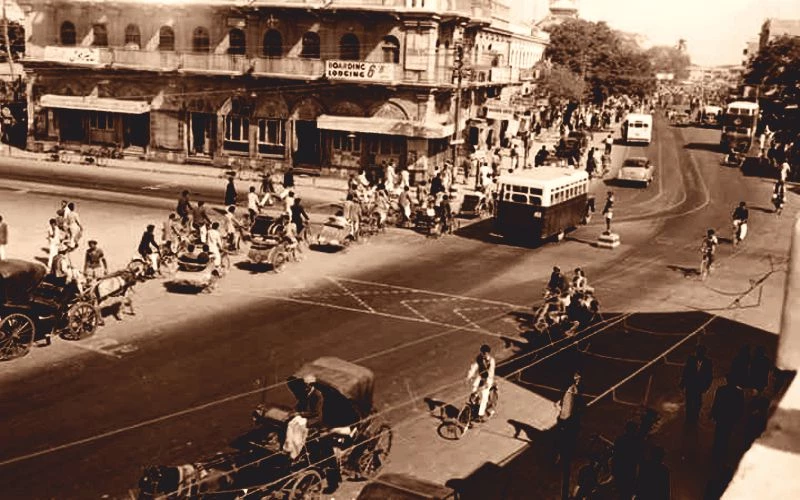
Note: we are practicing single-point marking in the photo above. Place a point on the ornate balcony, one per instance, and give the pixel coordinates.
(294, 66)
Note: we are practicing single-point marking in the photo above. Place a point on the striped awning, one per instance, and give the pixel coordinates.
(384, 126)
(90, 103)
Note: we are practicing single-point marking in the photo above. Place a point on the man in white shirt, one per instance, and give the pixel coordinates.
(252, 203)
(214, 239)
(786, 169)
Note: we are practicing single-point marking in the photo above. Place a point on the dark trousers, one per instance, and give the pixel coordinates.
(722, 438)
(694, 401)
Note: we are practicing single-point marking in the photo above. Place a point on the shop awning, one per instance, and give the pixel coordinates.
(384, 126)
(90, 103)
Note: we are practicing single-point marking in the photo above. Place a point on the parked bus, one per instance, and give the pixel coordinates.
(739, 126)
(542, 203)
(637, 127)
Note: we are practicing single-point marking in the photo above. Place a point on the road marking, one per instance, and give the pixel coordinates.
(350, 293)
(465, 318)
(441, 294)
(99, 349)
(405, 303)
(156, 187)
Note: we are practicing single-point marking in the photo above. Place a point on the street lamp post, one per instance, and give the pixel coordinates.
(458, 66)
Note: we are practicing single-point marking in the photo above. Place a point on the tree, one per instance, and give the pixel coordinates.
(609, 62)
(560, 83)
(670, 60)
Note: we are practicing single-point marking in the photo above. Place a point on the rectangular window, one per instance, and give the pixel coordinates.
(237, 133)
(101, 120)
(271, 136)
(343, 142)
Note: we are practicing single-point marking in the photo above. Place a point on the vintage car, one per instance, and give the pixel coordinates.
(637, 170)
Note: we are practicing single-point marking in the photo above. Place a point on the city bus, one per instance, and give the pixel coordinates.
(535, 205)
(637, 127)
(739, 126)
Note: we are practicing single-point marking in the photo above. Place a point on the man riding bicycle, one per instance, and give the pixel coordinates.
(740, 216)
(481, 375)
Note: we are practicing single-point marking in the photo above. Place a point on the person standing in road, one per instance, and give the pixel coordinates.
(405, 205)
(591, 163)
(608, 211)
(609, 143)
(148, 248)
(541, 157)
(405, 178)
(54, 237)
(288, 203)
(3, 238)
(695, 381)
(726, 411)
(94, 263)
(201, 220)
(252, 204)
(570, 409)
(288, 178)
(215, 244)
(230, 193)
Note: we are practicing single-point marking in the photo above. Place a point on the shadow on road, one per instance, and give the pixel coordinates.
(704, 146)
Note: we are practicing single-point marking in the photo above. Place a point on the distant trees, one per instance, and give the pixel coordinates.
(776, 68)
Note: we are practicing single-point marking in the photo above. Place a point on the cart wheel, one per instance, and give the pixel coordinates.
(278, 261)
(82, 321)
(17, 333)
(376, 449)
(307, 486)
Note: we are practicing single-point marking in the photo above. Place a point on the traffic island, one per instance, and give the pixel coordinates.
(608, 240)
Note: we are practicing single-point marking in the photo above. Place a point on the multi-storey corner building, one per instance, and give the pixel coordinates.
(335, 85)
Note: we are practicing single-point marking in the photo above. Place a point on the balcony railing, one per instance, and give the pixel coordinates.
(289, 66)
(144, 60)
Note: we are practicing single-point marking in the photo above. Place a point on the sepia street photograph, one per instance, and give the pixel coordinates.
(399, 249)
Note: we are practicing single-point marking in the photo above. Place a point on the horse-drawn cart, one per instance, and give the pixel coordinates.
(34, 306)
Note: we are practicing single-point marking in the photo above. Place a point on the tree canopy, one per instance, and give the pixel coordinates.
(609, 62)
(776, 68)
(562, 84)
(670, 60)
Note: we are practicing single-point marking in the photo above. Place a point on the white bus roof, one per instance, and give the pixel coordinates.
(743, 105)
(639, 116)
(544, 177)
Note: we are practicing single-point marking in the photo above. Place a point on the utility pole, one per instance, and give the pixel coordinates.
(7, 121)
(458, 65)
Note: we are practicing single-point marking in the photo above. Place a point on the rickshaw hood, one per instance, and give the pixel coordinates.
(353, 382)
(18, 278)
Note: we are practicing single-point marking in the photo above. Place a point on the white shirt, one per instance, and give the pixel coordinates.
(214, 240)
(252, 201)
(785, 169)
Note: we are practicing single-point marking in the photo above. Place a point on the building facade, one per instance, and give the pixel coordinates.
(333, 85)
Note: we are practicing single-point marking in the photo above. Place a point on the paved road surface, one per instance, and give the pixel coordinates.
(185, 387)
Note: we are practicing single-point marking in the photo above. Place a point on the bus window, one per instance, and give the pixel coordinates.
(519, 189)
(519, 198)
(535, 200)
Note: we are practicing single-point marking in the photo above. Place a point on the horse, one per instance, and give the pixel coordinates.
(112, 290)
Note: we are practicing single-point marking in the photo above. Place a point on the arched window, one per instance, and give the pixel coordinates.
(201, 41)
(273, 44)
(133, 37)
(236, 42)
(166, 39)
(100, 38)
(67, 33)
(391, 50)
(349, 47)
(310, 45)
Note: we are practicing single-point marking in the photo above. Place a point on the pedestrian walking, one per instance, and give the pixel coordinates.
(627, 455)
(253, 204)
(726, 411)
(74, 226)
(54, 237)
(148, 249)
(405, 178)
(760, 369)
(201, 220)
(405, 205)
(288, 203)
(609, 143)
(94, 262)
(215, 244)
(184, 208)
(230, 193)
(3, 238)
(608, 210)
(653, 482)
(695, 381)
(591, 163)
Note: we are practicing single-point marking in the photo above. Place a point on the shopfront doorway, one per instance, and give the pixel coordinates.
(202, 131)
(308, 143)
(136, 131)
(71, 125)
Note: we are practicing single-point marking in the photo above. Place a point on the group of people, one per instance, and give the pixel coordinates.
(572, 300)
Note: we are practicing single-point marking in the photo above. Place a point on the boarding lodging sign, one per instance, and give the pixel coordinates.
(361, 71)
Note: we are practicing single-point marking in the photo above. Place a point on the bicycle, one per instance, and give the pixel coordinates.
(705, 265)
(469, 412)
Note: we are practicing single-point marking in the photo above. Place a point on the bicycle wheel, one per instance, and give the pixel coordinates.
(463, 420)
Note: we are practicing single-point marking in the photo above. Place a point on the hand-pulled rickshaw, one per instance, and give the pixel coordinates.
(34, 306)
(337, 232)
(274, 461)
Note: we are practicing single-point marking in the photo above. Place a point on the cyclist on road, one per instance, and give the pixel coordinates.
(481, 375)
(779, 196)
(740, 216)
(709, 247)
